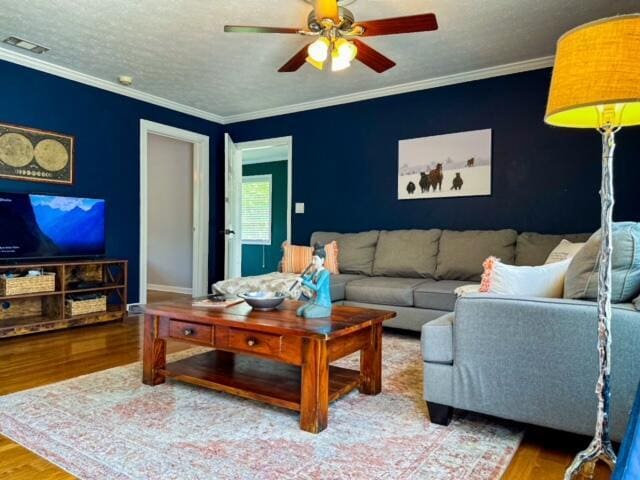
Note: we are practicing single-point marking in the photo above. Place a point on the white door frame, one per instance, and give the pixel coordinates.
(232, 208)
(276, 142)
(200, 143)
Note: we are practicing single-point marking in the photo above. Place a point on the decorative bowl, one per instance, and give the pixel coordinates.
(263, 301)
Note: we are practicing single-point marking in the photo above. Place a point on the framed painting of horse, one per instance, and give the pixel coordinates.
(443, 166)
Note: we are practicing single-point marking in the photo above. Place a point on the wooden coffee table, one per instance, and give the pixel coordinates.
(274, 357)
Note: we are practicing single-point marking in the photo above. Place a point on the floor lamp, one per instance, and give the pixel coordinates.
(596, 84)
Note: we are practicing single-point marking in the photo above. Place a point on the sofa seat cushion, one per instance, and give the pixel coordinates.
(533, 249)
(407, 318)
(339, 283)
(383, 290)
(407, 253)
(355, 250)
(461, 253)
(437, 295)
(437, 340)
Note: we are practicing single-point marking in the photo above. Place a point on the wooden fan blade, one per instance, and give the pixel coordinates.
(296, 61)
(251, 29)
(372, 58)
(390, 26)
(327, 9)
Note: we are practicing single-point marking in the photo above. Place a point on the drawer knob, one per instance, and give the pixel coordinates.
(251, 341)
(187, 332)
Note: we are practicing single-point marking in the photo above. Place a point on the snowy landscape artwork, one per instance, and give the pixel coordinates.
(451, 165)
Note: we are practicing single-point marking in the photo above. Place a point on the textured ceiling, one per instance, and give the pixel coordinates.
(176, 49)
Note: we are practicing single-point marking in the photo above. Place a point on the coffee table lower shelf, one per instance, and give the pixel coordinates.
(268, 381)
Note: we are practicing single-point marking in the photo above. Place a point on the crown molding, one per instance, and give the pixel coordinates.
(480, 74)
(69, 74)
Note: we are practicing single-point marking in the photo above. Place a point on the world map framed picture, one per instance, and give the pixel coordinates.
(35, 155)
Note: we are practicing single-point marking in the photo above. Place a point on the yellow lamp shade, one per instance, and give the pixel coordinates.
(597, 70)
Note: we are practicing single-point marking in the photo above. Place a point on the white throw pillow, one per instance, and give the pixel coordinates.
(467, 289)
(543, 281)
(565, 250)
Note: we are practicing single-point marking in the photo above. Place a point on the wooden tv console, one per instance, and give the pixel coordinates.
(44, 311)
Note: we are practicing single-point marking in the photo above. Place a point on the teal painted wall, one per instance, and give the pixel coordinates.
(252, 255)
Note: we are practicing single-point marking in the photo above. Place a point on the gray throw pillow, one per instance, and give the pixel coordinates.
(581, 281)
(461, 254)
(407, 253)
(533, 248)
(356, 251)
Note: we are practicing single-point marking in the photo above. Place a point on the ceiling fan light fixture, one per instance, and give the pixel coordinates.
(346, 49)
(315, 63)
(339, 62)
(319, 50)
(336, 31)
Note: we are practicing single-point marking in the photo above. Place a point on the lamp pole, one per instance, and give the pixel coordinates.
(600, 447)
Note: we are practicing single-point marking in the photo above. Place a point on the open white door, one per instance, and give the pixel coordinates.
(232, 209)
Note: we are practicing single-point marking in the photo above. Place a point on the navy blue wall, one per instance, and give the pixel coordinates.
(544, 179)
(345, 161)
(107, 131)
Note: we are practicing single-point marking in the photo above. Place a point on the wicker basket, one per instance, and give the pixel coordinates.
(30, 284)
(82, 307)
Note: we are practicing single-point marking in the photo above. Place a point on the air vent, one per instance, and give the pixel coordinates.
(25, 45)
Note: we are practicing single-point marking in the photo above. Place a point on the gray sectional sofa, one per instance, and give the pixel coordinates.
(415, 272)
(531, 360)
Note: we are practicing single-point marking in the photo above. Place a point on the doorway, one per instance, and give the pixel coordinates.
(174, 210)
(258, 205)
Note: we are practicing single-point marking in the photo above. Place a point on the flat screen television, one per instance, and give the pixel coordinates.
(49, 226)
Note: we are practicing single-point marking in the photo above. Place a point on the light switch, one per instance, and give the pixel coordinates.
(299, 207)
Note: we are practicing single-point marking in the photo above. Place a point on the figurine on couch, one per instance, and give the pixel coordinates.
(318, 282)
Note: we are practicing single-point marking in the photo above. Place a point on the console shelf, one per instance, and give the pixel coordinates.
(44, 311)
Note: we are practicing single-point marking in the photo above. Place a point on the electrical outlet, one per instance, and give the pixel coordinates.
(299, 207)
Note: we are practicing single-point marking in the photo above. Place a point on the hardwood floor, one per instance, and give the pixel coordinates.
(41, 359)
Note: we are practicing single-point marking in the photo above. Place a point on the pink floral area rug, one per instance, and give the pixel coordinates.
(108, 425)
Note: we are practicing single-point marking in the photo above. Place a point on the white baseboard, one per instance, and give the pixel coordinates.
(168, 288)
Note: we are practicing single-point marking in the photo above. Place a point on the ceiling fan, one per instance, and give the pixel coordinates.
(338, 36)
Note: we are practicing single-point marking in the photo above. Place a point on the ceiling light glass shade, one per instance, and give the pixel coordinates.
(339, 62)
(346, 49)
(318, 65)
(319, 50)
(597, 74)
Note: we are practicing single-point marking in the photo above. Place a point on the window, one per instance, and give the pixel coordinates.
(256, 210)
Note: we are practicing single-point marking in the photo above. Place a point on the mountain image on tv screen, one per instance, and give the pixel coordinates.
(50, 226)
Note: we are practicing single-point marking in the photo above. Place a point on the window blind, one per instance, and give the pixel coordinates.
(256, 210)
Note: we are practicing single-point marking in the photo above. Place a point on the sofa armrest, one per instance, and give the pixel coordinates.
(437, 340)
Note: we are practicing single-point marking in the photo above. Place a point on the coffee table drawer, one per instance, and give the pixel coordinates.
(192, 332)
(265, 343)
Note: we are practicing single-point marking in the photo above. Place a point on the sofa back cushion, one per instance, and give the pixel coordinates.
(461, 254)
(356, 251)
(581, 281)
(533, 249)
(407, 253)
